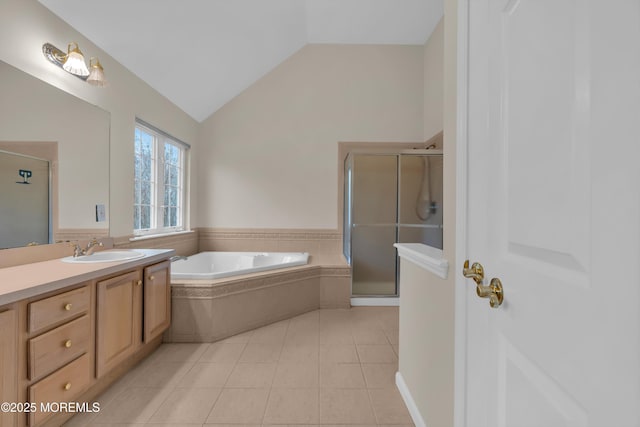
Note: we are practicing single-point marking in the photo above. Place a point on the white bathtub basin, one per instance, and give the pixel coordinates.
(105, 256)
(216, 265)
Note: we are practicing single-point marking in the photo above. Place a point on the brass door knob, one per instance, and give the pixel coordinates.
(139, 282)
(68, 306)
(67, 386)
(476, 272)
(493, 291)
(151, 277)
(67, 343)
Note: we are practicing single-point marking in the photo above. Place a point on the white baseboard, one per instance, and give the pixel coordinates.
(375, 302)
(408, 400)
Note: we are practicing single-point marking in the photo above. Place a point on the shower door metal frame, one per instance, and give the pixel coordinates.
(348, 207)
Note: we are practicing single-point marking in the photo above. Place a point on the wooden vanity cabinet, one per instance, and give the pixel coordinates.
(132, 308)
(70, 344)
(59, 349)
(8, 364)
(118, 319)
(157, 300)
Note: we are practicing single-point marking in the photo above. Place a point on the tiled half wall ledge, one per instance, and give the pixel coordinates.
(210, 311)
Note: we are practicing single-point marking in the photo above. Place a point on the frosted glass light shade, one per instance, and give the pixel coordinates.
(96, 76)
(74, 63)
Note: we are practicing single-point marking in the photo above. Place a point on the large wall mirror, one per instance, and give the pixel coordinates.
(39, 121)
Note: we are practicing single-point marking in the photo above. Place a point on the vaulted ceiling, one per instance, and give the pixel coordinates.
(202, 53)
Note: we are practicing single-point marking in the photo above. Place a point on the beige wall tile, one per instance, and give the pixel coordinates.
(309, 246)
(335, 292)
(191, 317)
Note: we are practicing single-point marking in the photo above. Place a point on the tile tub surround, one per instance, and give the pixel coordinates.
(184, 243)
(208, 311)
(324, 246)
(322, 367)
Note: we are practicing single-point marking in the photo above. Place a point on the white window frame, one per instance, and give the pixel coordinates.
(161, 138)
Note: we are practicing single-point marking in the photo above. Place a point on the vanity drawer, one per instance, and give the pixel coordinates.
(59, 346)
(58, 308)
(64, 385)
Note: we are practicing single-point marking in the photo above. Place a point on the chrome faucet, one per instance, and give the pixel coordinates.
(91, 246)
(177, 258)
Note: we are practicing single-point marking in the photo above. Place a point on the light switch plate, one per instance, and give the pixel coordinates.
(101, 214)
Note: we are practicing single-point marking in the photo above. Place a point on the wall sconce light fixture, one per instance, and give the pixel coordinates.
(73, 63)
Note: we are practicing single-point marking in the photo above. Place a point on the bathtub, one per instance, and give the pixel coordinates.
(215, 265)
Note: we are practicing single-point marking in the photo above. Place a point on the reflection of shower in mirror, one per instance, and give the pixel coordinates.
(425, 206)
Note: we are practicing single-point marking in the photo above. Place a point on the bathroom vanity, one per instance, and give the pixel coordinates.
(68, 330)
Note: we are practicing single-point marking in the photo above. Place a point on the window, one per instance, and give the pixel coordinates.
(159, 197)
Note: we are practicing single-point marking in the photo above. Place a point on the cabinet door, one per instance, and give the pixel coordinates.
(8, 365)
(157, 299)
(118, 320)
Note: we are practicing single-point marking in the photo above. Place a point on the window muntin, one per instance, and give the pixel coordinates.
(159, 176)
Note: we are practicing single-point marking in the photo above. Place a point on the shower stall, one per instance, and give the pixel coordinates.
(389, 198)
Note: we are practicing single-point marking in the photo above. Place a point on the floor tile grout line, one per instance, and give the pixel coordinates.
(226, 379)
(266, 403)
(347, 321)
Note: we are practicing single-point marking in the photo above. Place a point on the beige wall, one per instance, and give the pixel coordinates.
(24, 26)
(268, 157)
(434, 81)
(427, 302)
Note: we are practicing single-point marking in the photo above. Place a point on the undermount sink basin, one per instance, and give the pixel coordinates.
(105, 256)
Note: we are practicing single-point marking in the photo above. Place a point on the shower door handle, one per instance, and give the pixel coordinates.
(493, 291)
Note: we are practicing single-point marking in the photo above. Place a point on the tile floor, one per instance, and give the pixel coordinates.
(323, 367)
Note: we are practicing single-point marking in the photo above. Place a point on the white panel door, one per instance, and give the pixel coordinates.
(554, 212)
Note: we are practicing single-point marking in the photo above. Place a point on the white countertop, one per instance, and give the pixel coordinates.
(427, 257)
(28, 280)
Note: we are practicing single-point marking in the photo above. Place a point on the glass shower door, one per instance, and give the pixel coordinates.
(373, 214)
(420, 200)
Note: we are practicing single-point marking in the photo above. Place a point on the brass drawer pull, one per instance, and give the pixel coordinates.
(152, 278)
(68, 306)
(67, 343)
(67, 386)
